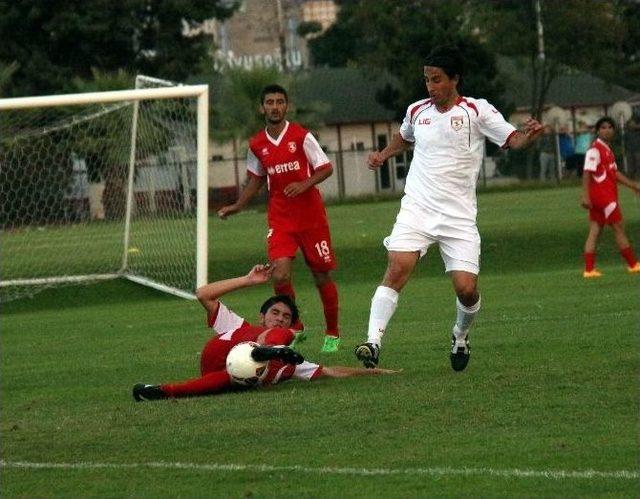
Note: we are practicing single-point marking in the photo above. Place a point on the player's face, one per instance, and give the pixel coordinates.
(274, 108)
(441, 88)
(606, 131)
(278, 315)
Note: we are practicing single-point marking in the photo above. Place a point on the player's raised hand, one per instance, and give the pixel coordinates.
(260, 273)
(375, 160)
(225, 211)
(532, 128)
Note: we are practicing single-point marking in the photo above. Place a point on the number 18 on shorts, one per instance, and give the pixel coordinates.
(314, 243)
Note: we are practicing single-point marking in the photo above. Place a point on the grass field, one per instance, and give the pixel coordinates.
(549, 405)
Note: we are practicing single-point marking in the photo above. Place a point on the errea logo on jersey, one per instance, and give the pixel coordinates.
(284, 167)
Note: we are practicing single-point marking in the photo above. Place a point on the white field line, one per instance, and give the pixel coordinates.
(266, 468)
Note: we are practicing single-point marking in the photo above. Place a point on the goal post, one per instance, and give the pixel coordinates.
(82, 175)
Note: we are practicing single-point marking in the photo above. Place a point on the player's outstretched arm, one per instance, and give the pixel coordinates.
(397, 145)
(348, 372)
(247, 194)
(585, 202)
(626, 181)
(209, 294)
(532, 131)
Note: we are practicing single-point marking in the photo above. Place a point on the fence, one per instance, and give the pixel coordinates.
(351, 178)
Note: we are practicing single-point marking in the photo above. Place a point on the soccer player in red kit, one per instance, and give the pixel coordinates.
(600, 197)
(273, 332)
(290, 161)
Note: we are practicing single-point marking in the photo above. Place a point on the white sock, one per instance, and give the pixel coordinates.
(383, 305)
(464, 318)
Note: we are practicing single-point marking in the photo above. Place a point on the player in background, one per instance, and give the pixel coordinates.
(289, 159)
(447, 133)
(274, 328)
(600, 196)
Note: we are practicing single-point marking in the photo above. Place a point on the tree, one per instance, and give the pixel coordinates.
(55, 41)
(626, 67)
(395, 37)
(585, 34)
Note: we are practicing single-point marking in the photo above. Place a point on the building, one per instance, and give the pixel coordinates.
(584, 96)
(265, 33)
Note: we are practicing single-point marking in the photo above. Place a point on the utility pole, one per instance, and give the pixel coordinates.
(541, 61)
(281, 37)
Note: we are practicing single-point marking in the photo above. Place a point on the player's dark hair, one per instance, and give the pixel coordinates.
(273, 89)
(605, 119)
(281, 299)
(448, 58)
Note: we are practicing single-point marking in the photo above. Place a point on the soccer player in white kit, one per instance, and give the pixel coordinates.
(447, 132)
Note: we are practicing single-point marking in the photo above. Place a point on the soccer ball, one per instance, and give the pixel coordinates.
(241, 366)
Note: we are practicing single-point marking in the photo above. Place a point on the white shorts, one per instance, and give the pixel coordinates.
(417, 228)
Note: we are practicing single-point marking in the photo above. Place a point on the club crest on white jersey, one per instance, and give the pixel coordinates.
(457, 122)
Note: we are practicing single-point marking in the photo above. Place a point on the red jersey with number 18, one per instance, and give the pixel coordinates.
(293, 156)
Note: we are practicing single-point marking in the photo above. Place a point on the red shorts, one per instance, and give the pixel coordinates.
(606, 214)
(214, 354)
(315, 245)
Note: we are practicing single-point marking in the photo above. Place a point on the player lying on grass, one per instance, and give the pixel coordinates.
(277, 314)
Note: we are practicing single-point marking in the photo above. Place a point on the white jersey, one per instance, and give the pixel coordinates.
(448, 153)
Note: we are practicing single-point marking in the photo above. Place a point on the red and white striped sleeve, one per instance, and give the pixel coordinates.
(279, 372)
(491, 122)
(592, 159)
(224, 320)
(315, 155)
(254, 166)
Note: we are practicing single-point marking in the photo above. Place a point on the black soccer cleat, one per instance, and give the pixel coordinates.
(285, 354)
(142, 392)
(368, 354)
(460, 354)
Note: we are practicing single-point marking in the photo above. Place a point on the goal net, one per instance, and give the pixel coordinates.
(104, 185)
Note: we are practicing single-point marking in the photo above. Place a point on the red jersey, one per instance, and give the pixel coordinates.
(292, 157)
(600, 163)
(233, 329)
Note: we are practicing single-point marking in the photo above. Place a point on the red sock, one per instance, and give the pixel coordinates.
(285, 288)
(589, 261)
(329, 296)
(628, 254)
(212, 382)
